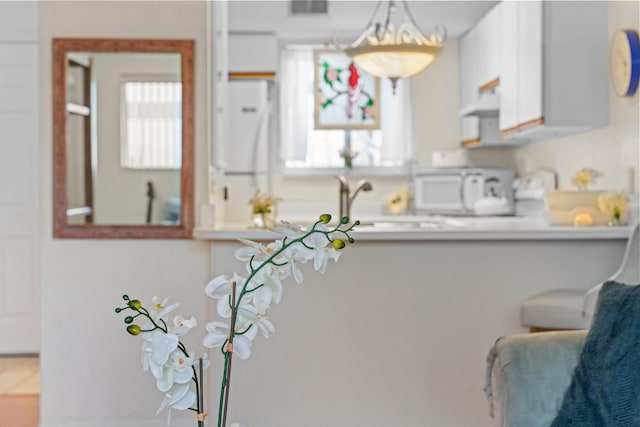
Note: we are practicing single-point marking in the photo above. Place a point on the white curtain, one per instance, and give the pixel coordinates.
(296, 67)
(296, 109)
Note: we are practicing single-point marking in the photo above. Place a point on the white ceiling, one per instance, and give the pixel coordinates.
(348, 17)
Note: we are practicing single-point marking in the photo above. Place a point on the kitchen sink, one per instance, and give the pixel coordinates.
(411, 222)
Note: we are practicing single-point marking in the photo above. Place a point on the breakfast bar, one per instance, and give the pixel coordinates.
(397, 332)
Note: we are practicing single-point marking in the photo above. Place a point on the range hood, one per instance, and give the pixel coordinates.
(486, 104)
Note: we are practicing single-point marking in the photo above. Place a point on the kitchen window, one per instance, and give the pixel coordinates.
(151, 125)
(392, 147)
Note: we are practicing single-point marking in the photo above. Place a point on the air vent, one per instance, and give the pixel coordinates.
(306, 7)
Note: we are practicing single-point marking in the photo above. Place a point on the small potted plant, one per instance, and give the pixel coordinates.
(263, 209)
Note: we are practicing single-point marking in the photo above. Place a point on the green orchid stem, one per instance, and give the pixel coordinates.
(222, 388)
(226, 381)
(234, 304)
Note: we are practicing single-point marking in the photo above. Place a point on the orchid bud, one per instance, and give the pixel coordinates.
(133, 329)
(337, 244)
(135, 304)
(128, 319)
(325, 218)
(344, 220)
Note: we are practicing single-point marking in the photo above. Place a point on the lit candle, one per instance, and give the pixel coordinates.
(583, 220)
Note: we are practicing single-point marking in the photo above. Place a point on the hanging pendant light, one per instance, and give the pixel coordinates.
(389, 50)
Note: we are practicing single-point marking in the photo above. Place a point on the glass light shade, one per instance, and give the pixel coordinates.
(393, 61)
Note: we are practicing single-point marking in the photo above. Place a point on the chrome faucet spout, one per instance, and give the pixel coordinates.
(347, 196)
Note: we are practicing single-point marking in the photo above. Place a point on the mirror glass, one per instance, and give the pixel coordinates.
(123, 131)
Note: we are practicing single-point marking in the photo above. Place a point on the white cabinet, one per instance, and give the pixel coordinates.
(548, 63)
(488, 45)
(469, 128)
(553, 77)
(253, 55)
(509, 82)
(479, 71)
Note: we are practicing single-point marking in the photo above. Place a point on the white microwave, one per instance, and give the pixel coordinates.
(455, 191)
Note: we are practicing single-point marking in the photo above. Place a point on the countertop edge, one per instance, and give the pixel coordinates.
(548, 233)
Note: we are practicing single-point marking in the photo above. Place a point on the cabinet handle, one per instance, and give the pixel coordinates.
(489, 85)
(470, 142)
(524, 125)
(258, 75)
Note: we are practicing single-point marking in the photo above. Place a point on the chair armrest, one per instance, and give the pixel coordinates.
(528, 374)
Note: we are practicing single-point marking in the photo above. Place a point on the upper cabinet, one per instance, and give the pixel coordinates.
(488, 44)
(546, 64)
(253, 55)
(469, 127)
(479, 70)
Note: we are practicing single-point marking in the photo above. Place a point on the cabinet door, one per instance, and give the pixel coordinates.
(19, 228)
(529, 62)
(489, 47)
(249, 53)
(508, 66)
(469, 83)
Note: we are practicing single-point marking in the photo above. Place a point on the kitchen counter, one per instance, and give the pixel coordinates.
(441, 228)
(413, 305)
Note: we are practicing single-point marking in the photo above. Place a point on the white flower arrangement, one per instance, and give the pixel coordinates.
(243, 303)
(616, 205)
(584, 177)
(398, 202)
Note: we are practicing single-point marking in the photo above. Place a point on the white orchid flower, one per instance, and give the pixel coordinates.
(162, 345)
(146, 355)
(180, 398)
(176, 370)
(295, 255)
(321, 249)
(224, 304)
(160, 308)
(256, 315)
(218, 334)
(219, 286)
(183, 325)
(271, 290)
(322, 255)
(254, 250)
(156, 349)
(317, 240)
(289, 230)
(181, 365)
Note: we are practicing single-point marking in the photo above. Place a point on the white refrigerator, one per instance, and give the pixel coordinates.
(246, 149)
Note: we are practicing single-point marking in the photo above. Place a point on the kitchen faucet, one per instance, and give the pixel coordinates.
(346, 197)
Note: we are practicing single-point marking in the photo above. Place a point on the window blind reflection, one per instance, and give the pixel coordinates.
(151, 125)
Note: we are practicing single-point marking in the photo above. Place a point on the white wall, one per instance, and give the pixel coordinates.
(612, 150)
(19, 187)
(91, 372)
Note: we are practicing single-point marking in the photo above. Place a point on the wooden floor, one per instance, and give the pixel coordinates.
(19, 391)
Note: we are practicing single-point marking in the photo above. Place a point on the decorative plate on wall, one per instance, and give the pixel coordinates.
(624, 62)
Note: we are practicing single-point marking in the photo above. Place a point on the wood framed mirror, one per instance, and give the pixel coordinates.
(123, 136)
